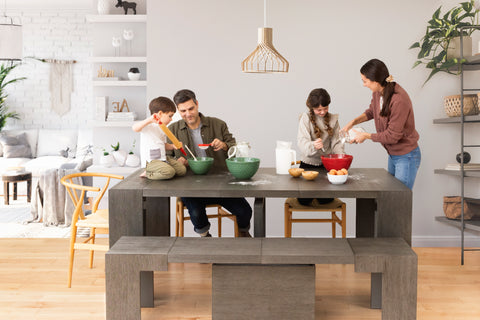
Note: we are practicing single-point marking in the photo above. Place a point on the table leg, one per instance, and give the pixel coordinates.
(125, 213)
(14, 191)
(7, 192)
(29, 190)
(394, 215)
(259, 218)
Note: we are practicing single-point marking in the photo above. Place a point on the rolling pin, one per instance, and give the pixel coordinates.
(171, 136)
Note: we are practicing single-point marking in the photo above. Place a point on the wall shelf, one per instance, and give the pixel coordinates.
(119, 83)
(117, 59)
(117, 18)
(458, 173)
(473, 225)
(112, 124)
(475, 118)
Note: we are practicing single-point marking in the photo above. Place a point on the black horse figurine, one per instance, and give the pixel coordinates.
(127, 5)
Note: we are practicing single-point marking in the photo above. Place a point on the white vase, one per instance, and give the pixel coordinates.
(103, 6)
(132, 161)
(120, 156)
(107, 161)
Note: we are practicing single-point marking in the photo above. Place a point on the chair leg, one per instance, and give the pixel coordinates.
(219, 223)
(334, 227)
(72, 253)
(344, 220)
(177, 210)
(288, 221)
(92, 241)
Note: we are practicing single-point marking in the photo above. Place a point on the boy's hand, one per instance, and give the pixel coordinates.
(155, 118)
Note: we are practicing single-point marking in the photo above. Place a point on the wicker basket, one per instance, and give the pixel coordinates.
(453, 105)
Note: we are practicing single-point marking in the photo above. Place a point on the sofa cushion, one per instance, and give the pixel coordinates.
(55, 142)
(39, 165)
(32, 135)
(15, 146)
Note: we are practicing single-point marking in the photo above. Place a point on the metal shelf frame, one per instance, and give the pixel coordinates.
(473, 64)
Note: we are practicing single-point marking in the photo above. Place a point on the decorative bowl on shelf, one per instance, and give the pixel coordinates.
(201, 165)
(243, 167)
(337, 161)
(295, 172)
(309, 175)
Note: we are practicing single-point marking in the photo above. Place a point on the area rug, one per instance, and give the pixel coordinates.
(13, 222)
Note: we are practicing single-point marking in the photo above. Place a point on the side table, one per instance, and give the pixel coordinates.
(15, 178)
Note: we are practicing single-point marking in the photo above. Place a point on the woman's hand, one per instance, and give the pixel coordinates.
(217, 144)
(360, 137)
(348, 127)
(318, 144)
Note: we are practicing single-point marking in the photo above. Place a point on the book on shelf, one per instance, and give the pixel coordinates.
(466, 166)
(121, 116)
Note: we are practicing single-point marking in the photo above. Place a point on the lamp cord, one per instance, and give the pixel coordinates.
(264, 13)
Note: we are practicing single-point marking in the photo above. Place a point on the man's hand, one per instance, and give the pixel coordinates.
(218, 145)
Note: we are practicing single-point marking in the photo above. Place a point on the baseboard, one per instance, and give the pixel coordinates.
(471, 241)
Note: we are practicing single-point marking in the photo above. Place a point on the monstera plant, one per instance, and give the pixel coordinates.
(435, 46)
(4, 112)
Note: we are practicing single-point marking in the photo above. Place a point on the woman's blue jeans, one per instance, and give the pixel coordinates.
(239, 207)
(405, 167)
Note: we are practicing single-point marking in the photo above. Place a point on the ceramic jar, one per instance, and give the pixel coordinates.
(103, 6)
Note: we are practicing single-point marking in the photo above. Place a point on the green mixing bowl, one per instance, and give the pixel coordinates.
(243, 167)
(201, 165)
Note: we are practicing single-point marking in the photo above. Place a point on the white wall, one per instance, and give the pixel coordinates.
(200, 45)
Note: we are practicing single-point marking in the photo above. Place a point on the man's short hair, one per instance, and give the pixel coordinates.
(184, 96)
(163, 104)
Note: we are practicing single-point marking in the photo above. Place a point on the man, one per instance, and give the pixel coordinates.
(195, 129)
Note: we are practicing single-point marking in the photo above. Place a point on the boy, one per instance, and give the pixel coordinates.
(159, 166)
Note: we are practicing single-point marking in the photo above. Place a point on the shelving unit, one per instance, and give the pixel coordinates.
(473, 64)
(130, 54)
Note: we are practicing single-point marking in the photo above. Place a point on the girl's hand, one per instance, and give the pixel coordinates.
(318, 144)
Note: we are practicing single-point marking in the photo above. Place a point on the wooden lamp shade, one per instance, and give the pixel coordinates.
(265, 58)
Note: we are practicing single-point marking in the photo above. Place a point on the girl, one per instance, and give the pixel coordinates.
(318, 134)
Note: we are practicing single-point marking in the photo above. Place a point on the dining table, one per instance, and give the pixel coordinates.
(141, 207)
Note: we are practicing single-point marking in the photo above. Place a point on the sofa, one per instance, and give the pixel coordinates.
(38, 150)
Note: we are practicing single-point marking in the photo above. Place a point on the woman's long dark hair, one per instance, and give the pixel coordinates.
(376, 70)
(316, 98)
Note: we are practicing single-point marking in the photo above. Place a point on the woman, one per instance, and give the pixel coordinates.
(318, 134)
(392, 112)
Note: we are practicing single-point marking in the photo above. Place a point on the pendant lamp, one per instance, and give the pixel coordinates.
(265, 58)
(11, 44)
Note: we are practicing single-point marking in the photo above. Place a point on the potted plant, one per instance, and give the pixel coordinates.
(107, 159)
(4, 113)
(442, 31)
(132, 159)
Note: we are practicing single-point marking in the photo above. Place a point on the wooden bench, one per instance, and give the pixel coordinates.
(260, 278)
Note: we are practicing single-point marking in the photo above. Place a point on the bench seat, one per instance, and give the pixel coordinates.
(260, 278)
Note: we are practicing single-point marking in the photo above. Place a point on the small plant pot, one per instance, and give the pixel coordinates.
(132, 161)
(107, 161)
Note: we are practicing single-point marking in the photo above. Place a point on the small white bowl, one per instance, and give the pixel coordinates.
(337, 179)
(133, 76)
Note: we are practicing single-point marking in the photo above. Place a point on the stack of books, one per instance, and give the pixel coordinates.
(14, 170)
(466, 166)
(121, 116)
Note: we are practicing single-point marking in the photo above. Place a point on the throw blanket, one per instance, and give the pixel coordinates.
(61, 86)
(51, 202)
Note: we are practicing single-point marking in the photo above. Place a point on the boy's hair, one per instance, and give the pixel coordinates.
(184, 96)
(163, 104)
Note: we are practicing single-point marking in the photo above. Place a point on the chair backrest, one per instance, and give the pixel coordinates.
(76, 190)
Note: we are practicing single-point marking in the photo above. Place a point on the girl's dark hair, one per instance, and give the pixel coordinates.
(163, 104)
(316, 98)
(376, 70)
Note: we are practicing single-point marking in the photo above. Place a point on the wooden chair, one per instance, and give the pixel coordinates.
(97, 221)
(292, 204)
(181, 216)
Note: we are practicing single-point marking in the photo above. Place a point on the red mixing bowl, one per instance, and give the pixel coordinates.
(337, 161)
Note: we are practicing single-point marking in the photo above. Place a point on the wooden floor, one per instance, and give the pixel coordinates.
(33, 276)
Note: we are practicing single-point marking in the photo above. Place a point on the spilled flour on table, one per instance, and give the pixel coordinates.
(251, 183)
